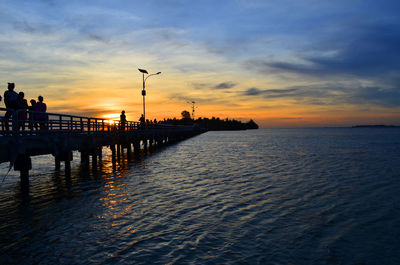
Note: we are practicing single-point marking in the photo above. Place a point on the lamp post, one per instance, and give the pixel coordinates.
(193, 107)
(143, 71)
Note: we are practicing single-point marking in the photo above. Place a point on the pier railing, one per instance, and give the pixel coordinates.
(23, 122)
(28, 133)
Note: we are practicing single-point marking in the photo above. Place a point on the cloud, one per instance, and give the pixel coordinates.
(253, 92)
(98, 38)
(332, 94)
(291, 118)
(367, 51)
(220, 86)
(204, 99)
(273, 92)
(32, 28)
(225, 85)
(376, 96)
(199, 86)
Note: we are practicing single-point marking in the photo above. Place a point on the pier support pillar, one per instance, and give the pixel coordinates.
(100, 153)
(23, 164)
(145, 145)
(136, 147)
(113, 154)
(129, 151)
(94, 159)
(57, 163)
(66, 156)
(67, 167)
(118, 151)
(84, 158)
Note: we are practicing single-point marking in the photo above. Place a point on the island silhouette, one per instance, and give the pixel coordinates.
(213, 124)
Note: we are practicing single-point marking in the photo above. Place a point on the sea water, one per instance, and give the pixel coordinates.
(268, 196)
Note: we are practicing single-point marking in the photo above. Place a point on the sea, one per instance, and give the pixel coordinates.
(267, 196)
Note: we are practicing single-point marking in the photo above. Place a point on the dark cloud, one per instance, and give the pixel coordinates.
(294, 91)
(98, 38)
(225, 85)
(332, 94)
(368, 51)
(24, 26)
(221, 86)
(200, 86)
(205, 99)
(253, 92)
(376, 96)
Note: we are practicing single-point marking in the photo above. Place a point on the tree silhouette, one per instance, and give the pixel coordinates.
(213, 124)
(185, 115)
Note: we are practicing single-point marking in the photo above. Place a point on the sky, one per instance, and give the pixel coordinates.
(282, 63)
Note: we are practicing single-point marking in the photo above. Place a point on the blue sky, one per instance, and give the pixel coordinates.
(284, 63)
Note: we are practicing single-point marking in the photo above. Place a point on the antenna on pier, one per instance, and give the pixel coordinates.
(193, 107)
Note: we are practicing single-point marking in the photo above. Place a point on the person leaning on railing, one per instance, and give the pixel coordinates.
(22, 106)
(32, 119)
(122, 120)
(41, 116)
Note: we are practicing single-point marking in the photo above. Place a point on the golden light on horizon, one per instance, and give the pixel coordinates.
(111, 116)
(110, 122)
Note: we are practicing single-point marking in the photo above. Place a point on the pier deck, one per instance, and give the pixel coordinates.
(61, 134)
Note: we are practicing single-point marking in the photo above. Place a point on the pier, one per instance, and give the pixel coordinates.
(60, 135)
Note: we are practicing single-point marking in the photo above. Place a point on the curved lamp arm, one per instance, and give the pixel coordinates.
(149, 76)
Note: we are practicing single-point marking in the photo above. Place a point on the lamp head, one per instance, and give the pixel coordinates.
(143, 71)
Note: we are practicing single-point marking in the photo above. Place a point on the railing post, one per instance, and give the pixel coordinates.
(81, 122)
(60, 120)
(15, 122)
(88, 125)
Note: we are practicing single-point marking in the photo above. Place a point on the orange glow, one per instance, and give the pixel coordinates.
(168, 95)
(111, 122)
(111, 116)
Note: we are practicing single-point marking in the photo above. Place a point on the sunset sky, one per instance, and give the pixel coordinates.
(283, 63)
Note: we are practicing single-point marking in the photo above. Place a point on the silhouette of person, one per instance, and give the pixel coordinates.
(10, 100)
(142, 121)
(41, 116)
(32, 121)
(122, 120)
(22, 106)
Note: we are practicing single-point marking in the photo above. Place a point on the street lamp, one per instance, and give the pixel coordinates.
(143, 71)
(193, 107)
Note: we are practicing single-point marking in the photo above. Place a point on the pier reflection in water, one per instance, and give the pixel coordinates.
(91, 190)
(316, 196)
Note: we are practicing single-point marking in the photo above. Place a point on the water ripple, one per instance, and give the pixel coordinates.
(306, 196)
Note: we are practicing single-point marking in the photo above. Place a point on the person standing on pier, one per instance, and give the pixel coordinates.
(32, 122)
(122, 120)
(22, 106)
(41, 116)
(142, 121)
(10, 100)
